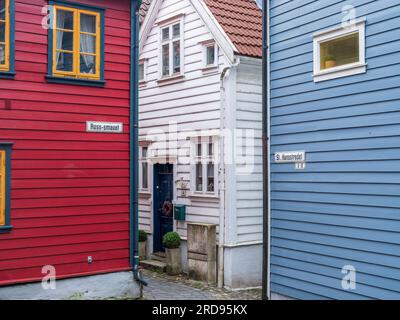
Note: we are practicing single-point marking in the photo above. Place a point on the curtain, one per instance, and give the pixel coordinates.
(88, 44)
(60, 34)
(3, 28)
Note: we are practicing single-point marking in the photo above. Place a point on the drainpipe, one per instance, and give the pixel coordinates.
(266, 152)
(134, 144)
(221, 240)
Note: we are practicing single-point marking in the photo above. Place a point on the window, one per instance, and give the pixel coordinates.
(144, 169)
(142, 70)
(210, 55)
(77, 43)
(171, 50)
(205, 170)
(5, 151)
(339, 52)
(6, 36)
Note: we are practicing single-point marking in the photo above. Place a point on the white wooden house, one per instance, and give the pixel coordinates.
(200, 100)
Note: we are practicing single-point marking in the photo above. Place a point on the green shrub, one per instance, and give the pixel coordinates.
(142, 236)
(172, 240)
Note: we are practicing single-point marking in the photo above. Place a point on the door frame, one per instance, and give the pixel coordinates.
(153, 202)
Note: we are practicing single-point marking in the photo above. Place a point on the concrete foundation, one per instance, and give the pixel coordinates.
(107, 286)
(243, 267)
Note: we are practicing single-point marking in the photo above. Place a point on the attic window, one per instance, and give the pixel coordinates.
(171, 49)
(339, 52)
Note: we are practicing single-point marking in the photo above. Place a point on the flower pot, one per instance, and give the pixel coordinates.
(330, 64)
(142, 250)
(174, 266)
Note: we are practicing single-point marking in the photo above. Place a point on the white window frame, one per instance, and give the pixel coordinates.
(144, 63)
(205, 57)
(141, 161)
(357, 26)
(169, 24)
(204, 159)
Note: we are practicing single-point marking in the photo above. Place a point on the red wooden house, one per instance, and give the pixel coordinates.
(67, 102)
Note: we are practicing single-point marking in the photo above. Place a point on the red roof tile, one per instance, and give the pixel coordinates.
(242, 22)
(144, 8)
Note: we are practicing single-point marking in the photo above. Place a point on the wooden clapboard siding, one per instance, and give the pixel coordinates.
(344, 208)
(249, 206)
(70, 189)
(193, 103)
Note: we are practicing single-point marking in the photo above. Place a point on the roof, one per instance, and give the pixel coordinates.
(242, 22)
(144, 8)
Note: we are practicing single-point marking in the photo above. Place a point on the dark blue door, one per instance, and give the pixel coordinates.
(163, 208)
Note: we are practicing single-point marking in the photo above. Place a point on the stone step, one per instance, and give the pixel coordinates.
(154, 265)
(159, 256)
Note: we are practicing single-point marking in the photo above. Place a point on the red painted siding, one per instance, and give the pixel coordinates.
(70, 189)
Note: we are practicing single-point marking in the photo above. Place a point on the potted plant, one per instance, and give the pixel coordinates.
(172, 242)
(142, 244)
(330, 61)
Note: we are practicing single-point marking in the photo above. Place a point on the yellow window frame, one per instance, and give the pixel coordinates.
(76, 44)
(2, 187)
(6, 66)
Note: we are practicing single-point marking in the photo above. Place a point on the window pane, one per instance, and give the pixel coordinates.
(2, 32)
(88, 43)
(145, 180)
(210, 177)
(176, 30)
(65, 19)
(177, 56)
(338, 52)
(199, 153)
(2, 9)
(64, 61)
(210, 55)
(141, 71)
(165, 34)
(210, 149)
(88, 23)
(88, 64)
(144, 152)
(165, 60)
(199, 177)
(65, 40)
(2, 54)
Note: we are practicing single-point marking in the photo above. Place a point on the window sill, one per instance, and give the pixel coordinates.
(74, 81)
(6, 229)
(210, 69)
(171, 79)
(142, 84)
(340, 72)
(205, 197)
(144, 194)
(7, 75)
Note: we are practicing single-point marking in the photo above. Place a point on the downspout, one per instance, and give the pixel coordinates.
(222, 188)
(134, 144)
(266, 152)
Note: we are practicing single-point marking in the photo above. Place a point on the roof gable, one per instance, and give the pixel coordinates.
(242, 22)
(219, 35)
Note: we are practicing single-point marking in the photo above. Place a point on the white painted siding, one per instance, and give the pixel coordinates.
(249, 202)
(193, 103)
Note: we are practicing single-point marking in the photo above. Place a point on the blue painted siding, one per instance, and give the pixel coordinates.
(344, 209)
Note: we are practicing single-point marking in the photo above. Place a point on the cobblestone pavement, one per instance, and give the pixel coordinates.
(163, 287)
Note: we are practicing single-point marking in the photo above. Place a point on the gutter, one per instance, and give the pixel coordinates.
(266, 152)
(134, 145)
(222, 187)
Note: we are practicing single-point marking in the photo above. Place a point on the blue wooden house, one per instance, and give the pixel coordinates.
(334, 119)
